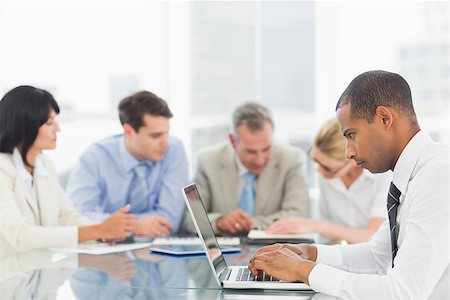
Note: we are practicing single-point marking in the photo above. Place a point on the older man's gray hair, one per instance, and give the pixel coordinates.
(253, 115)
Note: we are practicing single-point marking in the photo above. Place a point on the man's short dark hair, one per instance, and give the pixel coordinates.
(133, 108)
(377, 88)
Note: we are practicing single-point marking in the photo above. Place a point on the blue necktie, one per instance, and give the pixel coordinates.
(248, 195)
(393, 201)
(139, 190)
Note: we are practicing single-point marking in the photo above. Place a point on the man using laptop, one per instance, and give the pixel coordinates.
(249, 182)
(232, 277)
(408, 257)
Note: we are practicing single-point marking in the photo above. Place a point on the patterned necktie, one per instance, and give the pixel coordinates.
(139, 190)
(393, 201)
(248, 195)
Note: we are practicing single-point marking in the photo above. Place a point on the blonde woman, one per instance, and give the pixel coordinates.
(352, 201)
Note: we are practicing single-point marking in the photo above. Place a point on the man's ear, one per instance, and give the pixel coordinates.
(385, 116)
(232, 140)
(127, 129)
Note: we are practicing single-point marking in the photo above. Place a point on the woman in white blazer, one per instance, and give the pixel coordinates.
(34, 211)
(352, 201)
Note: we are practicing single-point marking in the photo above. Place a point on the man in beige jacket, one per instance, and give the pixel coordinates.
(250, 182)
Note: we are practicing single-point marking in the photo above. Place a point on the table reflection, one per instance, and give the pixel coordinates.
(42, 274)
(35, 275)
(128, 275)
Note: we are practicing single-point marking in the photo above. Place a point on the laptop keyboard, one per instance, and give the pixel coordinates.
(245, 275)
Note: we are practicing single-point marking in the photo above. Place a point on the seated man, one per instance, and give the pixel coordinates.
(143, 167)
(408, 257)
(250, 182)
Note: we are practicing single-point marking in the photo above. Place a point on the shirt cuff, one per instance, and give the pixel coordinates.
(213, 221)
(326, 279)
(329, 255)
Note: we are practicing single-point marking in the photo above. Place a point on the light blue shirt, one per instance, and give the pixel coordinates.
(100, 181)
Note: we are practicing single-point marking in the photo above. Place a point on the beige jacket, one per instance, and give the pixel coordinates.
(280, 189)
(19, 218)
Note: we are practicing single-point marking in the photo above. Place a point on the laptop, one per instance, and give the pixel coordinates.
(229, 277)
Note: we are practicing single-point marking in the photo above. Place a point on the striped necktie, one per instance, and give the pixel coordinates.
(139, 190)
(248, 195)
(393, 201)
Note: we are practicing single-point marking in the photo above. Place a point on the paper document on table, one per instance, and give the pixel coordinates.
(262, 237)
(262, 234)
(102, 248)
(175, 241)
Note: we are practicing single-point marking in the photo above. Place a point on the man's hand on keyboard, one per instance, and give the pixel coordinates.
(282, 263)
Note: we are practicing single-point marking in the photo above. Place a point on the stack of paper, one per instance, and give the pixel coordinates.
(260, 236)
(102, 248)
(223, 241)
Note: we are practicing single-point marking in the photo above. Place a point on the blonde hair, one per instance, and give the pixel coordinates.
(330, 141)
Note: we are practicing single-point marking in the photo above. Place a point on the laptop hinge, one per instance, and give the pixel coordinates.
(224, 275)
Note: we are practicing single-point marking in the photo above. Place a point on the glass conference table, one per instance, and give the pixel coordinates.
(136, 274)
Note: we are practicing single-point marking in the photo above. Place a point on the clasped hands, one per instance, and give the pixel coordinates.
(122, 224)
(235, 222)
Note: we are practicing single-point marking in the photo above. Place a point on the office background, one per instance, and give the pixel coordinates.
(205, 58)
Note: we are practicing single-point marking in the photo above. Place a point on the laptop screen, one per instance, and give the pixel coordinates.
(204, 227)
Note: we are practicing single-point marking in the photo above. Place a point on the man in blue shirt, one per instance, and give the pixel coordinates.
(143, 167)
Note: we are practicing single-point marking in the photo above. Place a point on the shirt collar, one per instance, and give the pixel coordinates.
(408, 158)
(39, 168)
(24, 175)
(129, 162)
(20, 166)
(241, 169)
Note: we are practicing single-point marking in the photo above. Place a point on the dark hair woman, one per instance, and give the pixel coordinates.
(34, 211)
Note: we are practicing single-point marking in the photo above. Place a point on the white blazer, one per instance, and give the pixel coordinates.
(20, 228)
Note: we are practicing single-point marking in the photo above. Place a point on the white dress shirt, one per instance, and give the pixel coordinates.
(363, 271)
(354, 206)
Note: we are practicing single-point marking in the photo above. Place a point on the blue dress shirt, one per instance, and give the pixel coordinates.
(100, 181)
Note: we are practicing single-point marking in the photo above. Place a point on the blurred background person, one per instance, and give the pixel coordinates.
(352, 201)
(34, 211)
(249, 182)
(143, 166)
